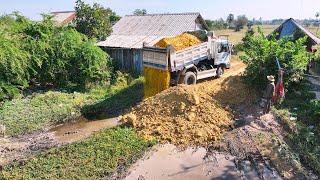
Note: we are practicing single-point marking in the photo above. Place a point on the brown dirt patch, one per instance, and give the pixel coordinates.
(191, 115)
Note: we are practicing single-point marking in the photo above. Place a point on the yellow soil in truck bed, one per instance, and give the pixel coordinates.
(179, 42)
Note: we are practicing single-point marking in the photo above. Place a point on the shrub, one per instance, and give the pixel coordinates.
(261, 53)
(304, 139)
(14, 62)
(60, 56)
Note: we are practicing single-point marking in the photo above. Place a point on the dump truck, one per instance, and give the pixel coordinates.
(187, 66)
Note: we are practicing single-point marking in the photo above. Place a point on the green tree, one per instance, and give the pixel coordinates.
(241, 21)
(94, 21)
(216, 24)
(260, 55)
(230, 19)
(14, 59)
(47, 54)
(140, 12)
(64, 57)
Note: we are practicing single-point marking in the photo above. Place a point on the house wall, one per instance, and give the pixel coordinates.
(127, 59)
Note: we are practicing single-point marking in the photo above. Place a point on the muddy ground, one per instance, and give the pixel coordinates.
(18, 149)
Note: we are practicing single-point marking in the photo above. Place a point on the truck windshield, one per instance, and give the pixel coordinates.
(223, 48)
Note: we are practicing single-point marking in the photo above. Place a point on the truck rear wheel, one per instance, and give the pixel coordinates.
(190, 78)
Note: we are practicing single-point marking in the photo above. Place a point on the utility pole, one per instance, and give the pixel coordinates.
(317, 21)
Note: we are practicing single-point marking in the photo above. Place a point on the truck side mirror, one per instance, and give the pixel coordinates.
(144, 44)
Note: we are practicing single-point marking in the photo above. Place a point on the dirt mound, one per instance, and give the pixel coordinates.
(192, 115)
(233, 91)
(180, 116)
(179, 42)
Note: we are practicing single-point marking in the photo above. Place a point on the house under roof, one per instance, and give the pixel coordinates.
(293, 29)
(125, 43)
(131, 31)
(62, 18)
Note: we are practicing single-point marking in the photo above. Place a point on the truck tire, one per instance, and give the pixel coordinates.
(190, 78)
(220, 71)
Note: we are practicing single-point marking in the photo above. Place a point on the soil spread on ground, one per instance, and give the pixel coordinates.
(191, 115)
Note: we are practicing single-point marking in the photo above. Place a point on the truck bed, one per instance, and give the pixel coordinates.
(169, 59)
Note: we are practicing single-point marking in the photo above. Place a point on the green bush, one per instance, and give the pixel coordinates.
(64, 57)
(305, 139)
(59, 56)
(14, 62)
(260, 55)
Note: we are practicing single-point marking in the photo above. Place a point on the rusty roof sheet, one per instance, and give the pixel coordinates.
(63, 17)
(131, 31)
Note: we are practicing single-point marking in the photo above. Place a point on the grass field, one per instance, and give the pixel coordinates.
(40, 110)
(236, 37)
(95, 158)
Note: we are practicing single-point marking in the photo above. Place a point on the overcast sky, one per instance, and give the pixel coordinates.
(210, 9)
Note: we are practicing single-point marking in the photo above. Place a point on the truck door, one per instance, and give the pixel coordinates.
(223, 52)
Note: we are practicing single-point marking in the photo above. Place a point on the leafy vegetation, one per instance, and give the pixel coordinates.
(260, 54)
(217, 24)
(140, 12)
(40, 110)
(237, 24)
(95, 158)
(49, 55)
(115, 105)
(305, 140)
(94, 21)
(240, 22)
(14, 60)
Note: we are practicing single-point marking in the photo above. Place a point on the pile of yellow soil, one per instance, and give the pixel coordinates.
(180, 42)
(155, 81)
(192, 115)
(180, 116)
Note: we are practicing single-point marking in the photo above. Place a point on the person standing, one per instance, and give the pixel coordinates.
(269, 93)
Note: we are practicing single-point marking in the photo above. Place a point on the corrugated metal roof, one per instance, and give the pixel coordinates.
(63, 17)
(289, 26)
(131, 31)
(135, 42)
(307, 32)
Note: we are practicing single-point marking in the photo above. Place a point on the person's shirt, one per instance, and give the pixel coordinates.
(270, 90)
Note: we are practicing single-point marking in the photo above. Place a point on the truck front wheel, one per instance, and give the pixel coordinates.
(220, 71)
(190, 78)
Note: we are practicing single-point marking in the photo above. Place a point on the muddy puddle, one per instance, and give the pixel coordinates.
(81, 129)
(167, 162)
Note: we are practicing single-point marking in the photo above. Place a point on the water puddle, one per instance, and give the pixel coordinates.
(81, 129)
